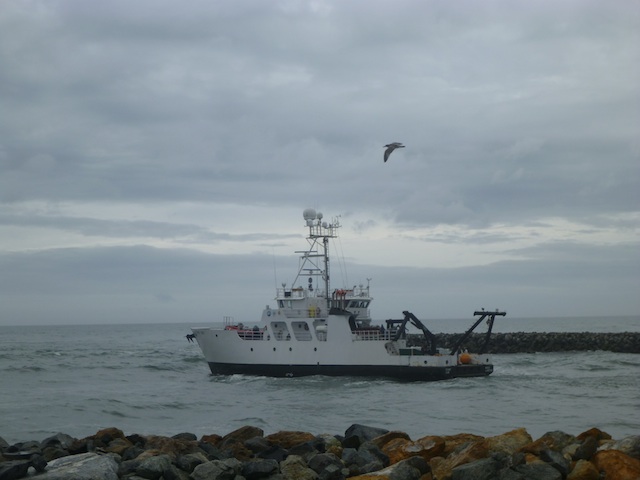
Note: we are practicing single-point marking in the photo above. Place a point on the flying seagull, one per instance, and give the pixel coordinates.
(390, 148)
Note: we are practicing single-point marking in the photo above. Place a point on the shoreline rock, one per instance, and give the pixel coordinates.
(362, 453)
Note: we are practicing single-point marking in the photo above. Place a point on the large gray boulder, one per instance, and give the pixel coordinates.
(357, 434)
(485, 469)
(154, 467)
(328, 467)
(557, 461)
(412, 468)
(14, 469)
(538, 471)
(84, 466)
(61, 440)
(628, 445)
(217, 470)
(295, 468)
(363, 460)
(190, 461)
(262, 468)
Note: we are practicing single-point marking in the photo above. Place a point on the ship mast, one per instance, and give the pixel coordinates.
(318, 231)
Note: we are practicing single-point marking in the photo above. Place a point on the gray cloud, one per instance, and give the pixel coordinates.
(135, 229)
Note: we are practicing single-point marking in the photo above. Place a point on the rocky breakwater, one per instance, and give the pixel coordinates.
(362, 453)
(528, 342)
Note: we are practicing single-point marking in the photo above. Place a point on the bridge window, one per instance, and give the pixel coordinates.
(280, 331)
(301, 331)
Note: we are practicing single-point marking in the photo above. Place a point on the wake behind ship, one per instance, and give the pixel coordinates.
(314, 330)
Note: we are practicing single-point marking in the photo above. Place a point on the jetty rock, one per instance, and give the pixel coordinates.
(362, 453)
(532, 342)
(83, 466)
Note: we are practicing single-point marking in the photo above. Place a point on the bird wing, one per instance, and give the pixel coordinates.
(388, 151)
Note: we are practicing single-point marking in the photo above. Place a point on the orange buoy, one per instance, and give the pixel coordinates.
(465, 359)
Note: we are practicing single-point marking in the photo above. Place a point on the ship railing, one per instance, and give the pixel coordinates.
(310, 312)
(299, 292)
(251, 334)
(358, 292)
(370, 335)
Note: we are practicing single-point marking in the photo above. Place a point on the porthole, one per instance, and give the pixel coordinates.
(289, 348)
(252, 349)
(315, 349)
(274, 349)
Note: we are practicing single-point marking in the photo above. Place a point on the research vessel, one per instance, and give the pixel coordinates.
(315, 329)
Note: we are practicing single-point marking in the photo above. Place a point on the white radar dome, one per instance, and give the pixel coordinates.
(309, 214)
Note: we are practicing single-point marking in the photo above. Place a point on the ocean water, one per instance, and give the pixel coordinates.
(148, 379)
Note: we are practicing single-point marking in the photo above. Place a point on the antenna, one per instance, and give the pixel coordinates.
(275, 275)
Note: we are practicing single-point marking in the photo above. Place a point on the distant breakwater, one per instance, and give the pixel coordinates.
(531, 342)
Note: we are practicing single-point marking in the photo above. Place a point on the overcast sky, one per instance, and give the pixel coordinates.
(156, 156)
